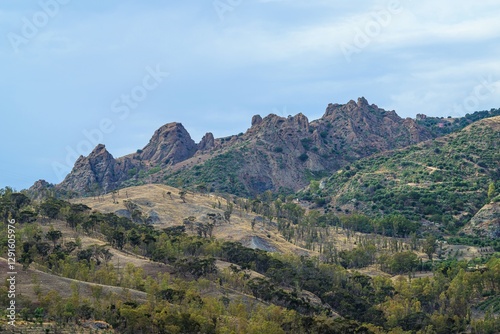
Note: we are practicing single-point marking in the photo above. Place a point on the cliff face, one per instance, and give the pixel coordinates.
(96, 171)
(360, 129)
(275, 152)
(170, 144)
(297, 148)
(207, 142)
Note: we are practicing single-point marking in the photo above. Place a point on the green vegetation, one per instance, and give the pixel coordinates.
(219, 172)
(445, 181)
(440, 126)
(385, 215)
(491, 304)
(191, 294)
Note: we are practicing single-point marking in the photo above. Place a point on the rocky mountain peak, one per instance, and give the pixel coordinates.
(282, 150)
(40, 189)
(362, 102)
(99, 149)
(301, 121)
(359, 112)
(256, 120)
(207, 142)
(170, 144)
(95, 169)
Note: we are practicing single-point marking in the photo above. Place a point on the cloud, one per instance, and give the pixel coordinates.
(264, 55)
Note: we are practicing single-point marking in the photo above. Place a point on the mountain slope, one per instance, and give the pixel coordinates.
(283, 154)
(276, 153)
(445, 180)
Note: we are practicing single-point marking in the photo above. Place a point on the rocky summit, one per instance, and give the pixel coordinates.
(275, 153)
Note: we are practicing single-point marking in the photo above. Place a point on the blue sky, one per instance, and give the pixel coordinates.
(77, 72)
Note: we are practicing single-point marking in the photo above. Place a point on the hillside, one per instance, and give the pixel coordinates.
(133, 260)
(283, 154)
(359, 251)
(440, 126)
(163, 207)
(275, 153)
(444, 181)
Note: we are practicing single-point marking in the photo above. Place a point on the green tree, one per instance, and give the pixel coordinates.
(403, 262)
(430, 246)
(53, 235)
(491, 190)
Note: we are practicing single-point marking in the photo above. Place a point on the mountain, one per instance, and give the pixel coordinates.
(444, 181)
(284, 153)
(170, 144)
(100, 171)
(280, 154)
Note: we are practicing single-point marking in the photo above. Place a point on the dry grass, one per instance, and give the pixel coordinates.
(27, 280)
(172, 211)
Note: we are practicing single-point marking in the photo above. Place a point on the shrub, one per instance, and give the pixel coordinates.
(303, 157)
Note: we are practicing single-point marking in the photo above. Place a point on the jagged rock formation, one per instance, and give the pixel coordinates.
(256, 119)
(360, 129)
(96, 169)
(207, 142)
(170, 144)
(97, 172)
(281, 153)
(275, 153)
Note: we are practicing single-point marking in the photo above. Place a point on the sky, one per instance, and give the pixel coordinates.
(77, 73)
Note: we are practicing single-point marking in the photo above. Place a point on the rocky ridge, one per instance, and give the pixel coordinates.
(274, 153)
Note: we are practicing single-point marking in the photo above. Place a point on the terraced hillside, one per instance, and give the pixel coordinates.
(445, 181)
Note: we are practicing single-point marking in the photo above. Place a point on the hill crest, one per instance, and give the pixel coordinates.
(274, 153)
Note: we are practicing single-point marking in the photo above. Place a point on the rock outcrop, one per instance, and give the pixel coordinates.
(256, 119)
(41, 189)
(360, 129)
(170, 144)
(96, 173)
(207, 142)
(274, 153)
(486, 222)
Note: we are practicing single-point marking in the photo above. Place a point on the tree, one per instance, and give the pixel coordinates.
(403, 262)
(50, 208)
(74, 219)
(314, 186)
(202, 188)
(182, 195)
(134, 238)
(118, 239)
(53, 235)
(227, 216)
(430, 246)
(113, 196)
(491, 190)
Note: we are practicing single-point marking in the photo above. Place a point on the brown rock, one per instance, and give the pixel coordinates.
(170, 144)
(256, 120)
(486, 222)
(207, 142)
(279, 152)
